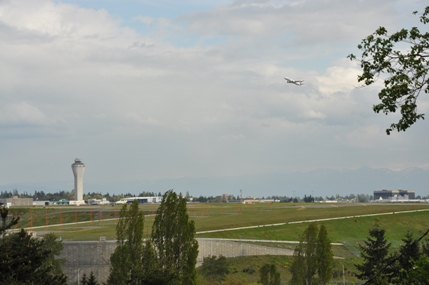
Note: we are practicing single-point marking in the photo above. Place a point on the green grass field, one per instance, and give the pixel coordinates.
(91, 223)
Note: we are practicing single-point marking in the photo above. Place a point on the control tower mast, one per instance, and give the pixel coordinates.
(78, 167)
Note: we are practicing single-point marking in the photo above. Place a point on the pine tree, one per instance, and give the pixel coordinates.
(55, 247)
(325, 256)
(417, 275)
(375, 254)
(84, 280)
(409, 251)
(4, 212)
(92, 280)
(425, 247)
(23, 261)
(173, 239)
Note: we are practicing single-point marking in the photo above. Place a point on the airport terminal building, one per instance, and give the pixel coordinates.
(16, 202)
(392, 194)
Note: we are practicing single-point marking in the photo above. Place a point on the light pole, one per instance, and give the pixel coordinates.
(78, 279)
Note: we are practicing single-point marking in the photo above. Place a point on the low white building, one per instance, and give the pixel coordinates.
(144, 200)
(254, 201)
(102, 201)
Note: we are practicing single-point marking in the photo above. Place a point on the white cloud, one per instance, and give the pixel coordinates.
(144, 121)
(341, 77)
(23, 114)
(145, 19)
(233, 137)
(308, 21)
(311, 114)
(56, 20)
(204, 91)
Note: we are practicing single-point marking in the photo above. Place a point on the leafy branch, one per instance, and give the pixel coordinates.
(407, 71)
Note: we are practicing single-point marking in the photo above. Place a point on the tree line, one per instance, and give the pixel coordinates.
(69, 195)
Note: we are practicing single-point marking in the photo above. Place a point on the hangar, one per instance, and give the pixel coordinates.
(389, 194)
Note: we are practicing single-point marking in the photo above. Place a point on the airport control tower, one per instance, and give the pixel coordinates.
(78, 167)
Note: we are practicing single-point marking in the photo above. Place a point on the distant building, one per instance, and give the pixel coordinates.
(15, 201)
(144, 200)
(390, 194)
(78, 167)
(254, 201)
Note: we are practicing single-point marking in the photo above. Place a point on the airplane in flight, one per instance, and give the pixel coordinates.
(296, 82)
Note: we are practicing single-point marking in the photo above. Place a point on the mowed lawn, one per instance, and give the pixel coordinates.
(90, 223)
(396, 225)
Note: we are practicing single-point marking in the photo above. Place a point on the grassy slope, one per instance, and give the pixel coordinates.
(221, 216)
(354, 228)
(247, 268)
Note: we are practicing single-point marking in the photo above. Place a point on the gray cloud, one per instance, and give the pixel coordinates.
(303, 22)
(134, 104)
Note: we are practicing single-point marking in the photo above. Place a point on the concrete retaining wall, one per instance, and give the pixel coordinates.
(86, 256)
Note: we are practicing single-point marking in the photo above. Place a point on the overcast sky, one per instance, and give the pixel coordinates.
(143, 89)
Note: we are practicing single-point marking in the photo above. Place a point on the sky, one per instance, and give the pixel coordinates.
(142, 89)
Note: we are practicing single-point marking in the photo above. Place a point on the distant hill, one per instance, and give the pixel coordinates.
(319, 182)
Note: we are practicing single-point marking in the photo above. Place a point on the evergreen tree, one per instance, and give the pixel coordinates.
(23, 261)
(5, 225)
(409, 254)
(269, 275)
(418, 274)
(126, 259)
(55, 247)
(325, 256)
(92, 280)
(409, 251)
(84, 280)
(425, 247)
(375, 254)
(173, 239)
